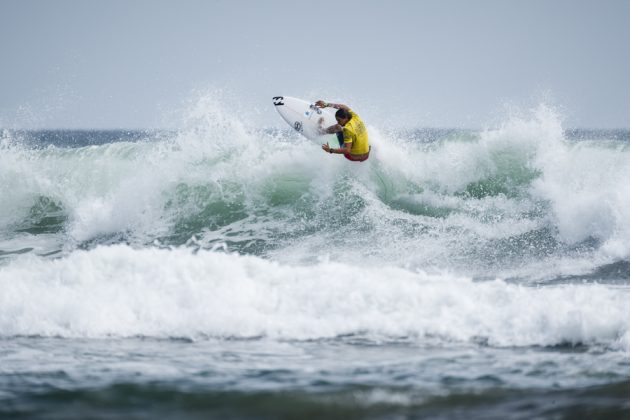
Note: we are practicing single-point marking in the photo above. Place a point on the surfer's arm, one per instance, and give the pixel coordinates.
(340, 151)
(337, 128)
(323, 104)
(333, 129)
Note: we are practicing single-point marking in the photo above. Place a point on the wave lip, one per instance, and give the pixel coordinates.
(123, 292)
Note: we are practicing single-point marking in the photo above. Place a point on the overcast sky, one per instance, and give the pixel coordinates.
(136, 64)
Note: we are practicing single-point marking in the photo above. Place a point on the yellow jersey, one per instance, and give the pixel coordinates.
(354, 132)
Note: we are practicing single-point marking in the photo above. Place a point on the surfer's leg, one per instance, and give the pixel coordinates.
(340, 138)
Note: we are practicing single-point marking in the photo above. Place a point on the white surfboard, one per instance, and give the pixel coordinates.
(305, 118)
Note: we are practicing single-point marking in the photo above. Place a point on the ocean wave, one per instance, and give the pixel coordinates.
(484, 203)
(118, 291)
(346, 401)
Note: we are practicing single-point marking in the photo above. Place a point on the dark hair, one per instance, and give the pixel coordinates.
(343, 113)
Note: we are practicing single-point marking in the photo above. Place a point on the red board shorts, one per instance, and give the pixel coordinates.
(358, 158)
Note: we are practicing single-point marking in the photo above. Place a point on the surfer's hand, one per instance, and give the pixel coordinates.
(320, 104)
(326, 148)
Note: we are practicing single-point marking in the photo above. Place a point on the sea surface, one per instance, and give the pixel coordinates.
(227, 271)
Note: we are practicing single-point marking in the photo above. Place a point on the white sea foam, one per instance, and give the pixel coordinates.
(121, 291)
(587, 187)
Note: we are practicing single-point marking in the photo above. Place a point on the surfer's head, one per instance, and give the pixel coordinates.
(343, 116)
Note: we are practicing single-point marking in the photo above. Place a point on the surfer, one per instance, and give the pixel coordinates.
(350, 131)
